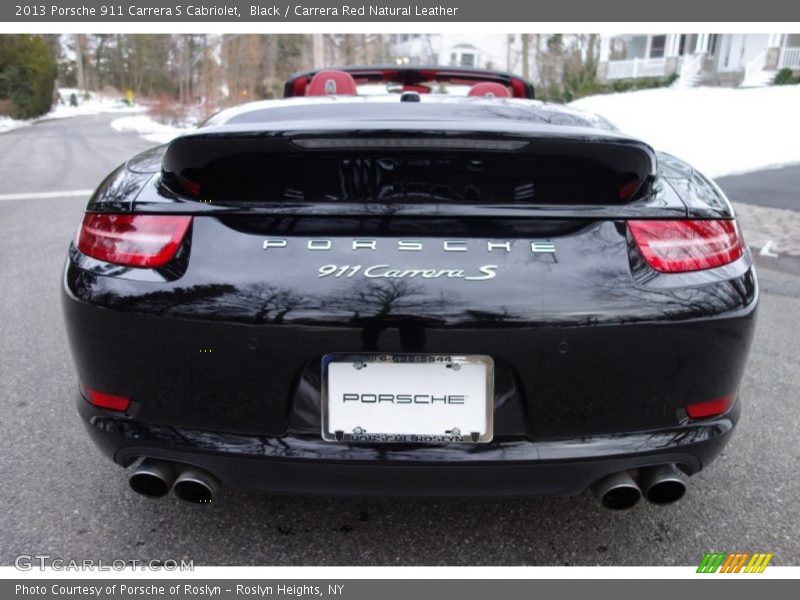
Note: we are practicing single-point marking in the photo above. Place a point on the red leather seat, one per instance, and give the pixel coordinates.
(332, 83)
(489, 90)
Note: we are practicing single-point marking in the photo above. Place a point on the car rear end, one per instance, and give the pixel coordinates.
(436, 304)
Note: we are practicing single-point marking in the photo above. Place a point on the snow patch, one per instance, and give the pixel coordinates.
(721, 131)
(94, 104)
(149, 129)
(7, 123)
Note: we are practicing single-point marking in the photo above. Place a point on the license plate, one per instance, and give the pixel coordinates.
(415, 398)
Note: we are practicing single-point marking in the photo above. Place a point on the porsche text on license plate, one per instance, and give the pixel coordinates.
(407, 398)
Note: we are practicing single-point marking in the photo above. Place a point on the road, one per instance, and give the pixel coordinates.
(59, 496)
(765, 188)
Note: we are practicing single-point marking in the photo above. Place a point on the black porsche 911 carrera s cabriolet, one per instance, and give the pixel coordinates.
(373, 287)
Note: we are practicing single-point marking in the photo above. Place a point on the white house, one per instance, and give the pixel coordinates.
(698, 58)
(707, 58)
(484, 51)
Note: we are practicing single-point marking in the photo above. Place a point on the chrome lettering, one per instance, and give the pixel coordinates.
(319, 244)
(455, 246)
(537, 247)
(504, 245)
(489, 272)
(365, 245)
(409, 245)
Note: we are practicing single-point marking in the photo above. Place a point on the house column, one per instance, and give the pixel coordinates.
(773, 51)
(702, 43)
(605, 48)
(775, 40)
(671, 50)
(673, 44)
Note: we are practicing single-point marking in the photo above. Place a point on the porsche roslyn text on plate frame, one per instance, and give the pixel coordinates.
(417, 398)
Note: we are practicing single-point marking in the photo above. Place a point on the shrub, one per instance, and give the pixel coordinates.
(786, 77)
(575, 87)
(642, 83)
(27, 75)
(168, 111)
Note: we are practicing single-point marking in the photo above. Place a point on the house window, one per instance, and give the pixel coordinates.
(617, 49)
(404, 37)
(627, 47)
(792, 40)
(658, 44)
(467, 59)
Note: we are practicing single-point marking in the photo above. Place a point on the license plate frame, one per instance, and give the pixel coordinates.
(476, 403)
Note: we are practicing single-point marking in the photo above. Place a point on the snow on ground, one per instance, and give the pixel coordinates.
(149, 129)
(718, 130)
(7, 123)
(93, 105)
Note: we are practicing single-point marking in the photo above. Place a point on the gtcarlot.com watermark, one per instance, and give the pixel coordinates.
(30, 562)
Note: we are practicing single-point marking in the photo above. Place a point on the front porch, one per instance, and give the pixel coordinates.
(660, 55)
(790, 52)
(708, 58)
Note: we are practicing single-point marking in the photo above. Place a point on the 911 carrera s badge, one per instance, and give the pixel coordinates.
(388, 272)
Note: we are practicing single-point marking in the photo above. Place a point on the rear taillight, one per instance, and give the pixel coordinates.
(132, 240)
(710, 408)
(680, 246)
(104, 400)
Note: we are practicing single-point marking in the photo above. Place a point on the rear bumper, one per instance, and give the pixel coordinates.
(306, 465)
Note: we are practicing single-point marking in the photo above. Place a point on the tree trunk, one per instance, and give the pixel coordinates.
(81, 79)
(318, 50)
(526, 55)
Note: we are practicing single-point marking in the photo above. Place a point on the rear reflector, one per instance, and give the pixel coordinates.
(132, 240)
(103, 400)
(711, 408)
(680, 246)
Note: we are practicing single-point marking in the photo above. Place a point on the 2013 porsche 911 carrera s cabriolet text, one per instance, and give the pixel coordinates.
(409, 293)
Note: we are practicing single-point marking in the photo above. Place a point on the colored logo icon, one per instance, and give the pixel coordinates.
(737, 562)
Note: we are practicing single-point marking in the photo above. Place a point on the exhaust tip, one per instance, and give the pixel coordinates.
(194, 486)
(152, 478)
(663, 485)
(621, 498)
(618, 491)
(666, 492)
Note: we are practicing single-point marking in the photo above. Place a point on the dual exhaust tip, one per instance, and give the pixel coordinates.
(155, 478)
(659, 485)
